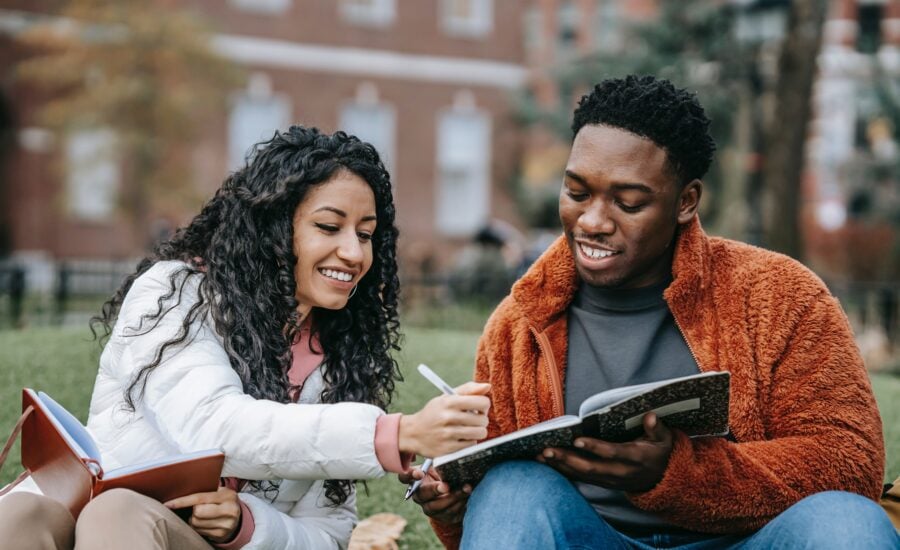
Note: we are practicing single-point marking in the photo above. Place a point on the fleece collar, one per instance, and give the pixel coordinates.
(546, 290)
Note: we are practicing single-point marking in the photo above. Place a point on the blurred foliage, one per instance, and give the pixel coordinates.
(887, 91)
(691, 43)
(147, 74)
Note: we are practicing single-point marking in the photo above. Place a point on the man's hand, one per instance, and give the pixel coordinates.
(216, 516)
(436, 498)
(634, 466)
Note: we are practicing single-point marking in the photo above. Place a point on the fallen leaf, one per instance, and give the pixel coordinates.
(377, 532)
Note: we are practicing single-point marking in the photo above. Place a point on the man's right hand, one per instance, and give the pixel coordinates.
(435, 497)
(447, 423)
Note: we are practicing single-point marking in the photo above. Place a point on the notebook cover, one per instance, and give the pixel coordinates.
(53, 464)
(196, 475)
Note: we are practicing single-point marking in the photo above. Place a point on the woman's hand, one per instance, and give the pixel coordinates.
(216, 516)
(447, 423)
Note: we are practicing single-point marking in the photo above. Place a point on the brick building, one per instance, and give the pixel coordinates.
(427, 82)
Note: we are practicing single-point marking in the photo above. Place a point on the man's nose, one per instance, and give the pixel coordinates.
(596, 219)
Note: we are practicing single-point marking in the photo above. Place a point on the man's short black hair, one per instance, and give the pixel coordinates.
(654, 109)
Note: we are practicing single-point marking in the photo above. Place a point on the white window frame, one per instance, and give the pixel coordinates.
(235, 159)
(609, 34)
(478, 204)
(387, 149)
(266, 7)
(479, 24)
(93, 174)
(567, 15)
(376, 13)
(532, 29)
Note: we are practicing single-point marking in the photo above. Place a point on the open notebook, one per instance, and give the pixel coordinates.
(66, 464)
(696, 404)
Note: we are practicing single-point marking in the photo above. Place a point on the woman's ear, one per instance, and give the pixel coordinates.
(689, 200)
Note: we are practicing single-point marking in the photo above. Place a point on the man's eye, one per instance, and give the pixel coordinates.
(577, 197)
(326, 227)
(631, 209)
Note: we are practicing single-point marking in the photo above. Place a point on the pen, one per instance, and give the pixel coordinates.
(444, 387)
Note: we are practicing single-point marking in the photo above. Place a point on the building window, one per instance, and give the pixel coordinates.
(254, 118)
(467, 17)
(374, 123)
(533, 29)
(268, 7)
(609, 27)
(463, 159)
(869, 37)
(567, 16)
(92, 174)
(376, 13)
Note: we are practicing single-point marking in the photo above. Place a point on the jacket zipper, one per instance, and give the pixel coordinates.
(686, 341)
(730, 435)
(555, 383)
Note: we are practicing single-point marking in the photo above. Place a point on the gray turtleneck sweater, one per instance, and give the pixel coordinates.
(619, 338)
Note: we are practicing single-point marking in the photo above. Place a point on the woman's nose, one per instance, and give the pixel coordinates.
(350, 249)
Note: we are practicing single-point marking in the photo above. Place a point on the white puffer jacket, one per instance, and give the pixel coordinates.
(194, 400)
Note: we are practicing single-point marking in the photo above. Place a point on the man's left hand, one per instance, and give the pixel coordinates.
(634, 466)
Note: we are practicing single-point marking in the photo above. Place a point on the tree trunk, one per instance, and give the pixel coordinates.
(784, 155)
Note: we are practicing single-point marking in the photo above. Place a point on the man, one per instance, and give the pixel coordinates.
(633, 292)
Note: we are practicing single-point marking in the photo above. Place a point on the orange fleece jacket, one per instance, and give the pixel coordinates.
(802, 409)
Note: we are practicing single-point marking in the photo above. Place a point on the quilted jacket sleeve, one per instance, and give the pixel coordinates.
(196, 401)
(312, 523)
(823, 432)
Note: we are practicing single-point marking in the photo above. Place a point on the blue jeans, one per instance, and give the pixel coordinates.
(525, 504)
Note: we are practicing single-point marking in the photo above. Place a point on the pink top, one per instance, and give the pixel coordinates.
(387, 433)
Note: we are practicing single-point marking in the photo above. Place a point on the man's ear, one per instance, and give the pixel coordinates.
(689, 201)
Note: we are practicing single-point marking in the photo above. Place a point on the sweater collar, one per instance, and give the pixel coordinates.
(548, 287)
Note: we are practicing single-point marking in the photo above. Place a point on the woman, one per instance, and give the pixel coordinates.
(283, 289)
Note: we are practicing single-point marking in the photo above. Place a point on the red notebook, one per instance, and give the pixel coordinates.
(62, 458)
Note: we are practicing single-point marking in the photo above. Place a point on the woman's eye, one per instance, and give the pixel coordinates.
(326, 227)
(363, 236)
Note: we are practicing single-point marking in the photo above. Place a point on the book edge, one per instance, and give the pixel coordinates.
(162, 462)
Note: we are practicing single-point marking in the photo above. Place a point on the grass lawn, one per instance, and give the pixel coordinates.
(63, 363)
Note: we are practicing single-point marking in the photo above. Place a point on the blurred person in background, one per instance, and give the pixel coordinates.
(634, 291)
(264, 328)
(481, 273)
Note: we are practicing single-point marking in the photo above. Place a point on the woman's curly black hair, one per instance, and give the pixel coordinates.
(240, 247)
(653, 108)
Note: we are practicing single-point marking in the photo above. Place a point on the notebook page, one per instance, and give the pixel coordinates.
(73, 430)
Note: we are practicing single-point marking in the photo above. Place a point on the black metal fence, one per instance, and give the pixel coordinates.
(12, 294)
(874, 312)
(75, 292)
(454, 301)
